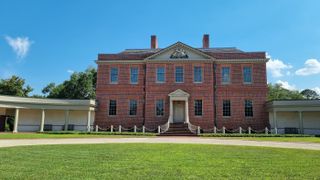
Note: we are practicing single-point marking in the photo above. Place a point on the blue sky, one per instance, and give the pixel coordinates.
(43, 41)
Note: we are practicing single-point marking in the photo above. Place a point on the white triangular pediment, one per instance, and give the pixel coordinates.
(179, 51)
(179, 93)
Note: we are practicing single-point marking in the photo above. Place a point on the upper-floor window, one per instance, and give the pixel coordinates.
(113, 107)
(248, 108)
(179, 74)
(226, 108)
(133, 108)
(114, 75)
(198, 107)
(134, 75)
(225, 75)
(197, 74)
(247, 74)
(160, 107)
(160, 74)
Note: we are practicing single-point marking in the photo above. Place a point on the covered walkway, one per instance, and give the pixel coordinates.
(294, 116)
(36, 114)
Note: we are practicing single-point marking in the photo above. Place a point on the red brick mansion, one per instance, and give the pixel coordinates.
(204, 86)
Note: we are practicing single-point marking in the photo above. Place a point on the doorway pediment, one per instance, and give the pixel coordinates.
(179, 93)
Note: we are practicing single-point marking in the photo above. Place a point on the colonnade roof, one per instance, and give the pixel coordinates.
(46, 103)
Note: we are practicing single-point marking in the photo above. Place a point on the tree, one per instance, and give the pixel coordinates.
(81, 85)
(49, 88)
(276, 92)
(14, 86)
(310, 94)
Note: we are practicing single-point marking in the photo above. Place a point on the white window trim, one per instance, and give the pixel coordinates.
(164, 110)
(243, 75)
(222, 82)
(230, 110)
(175, 80)
(137, 76)
(194, 107)
(248, 117)
(109, 108)
(130, 107)
(202, 73)
(110, 78)
(164, 72)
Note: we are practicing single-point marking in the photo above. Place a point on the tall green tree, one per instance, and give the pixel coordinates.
(310, 94)
(276, 92)
(14, 86)
(81, 85)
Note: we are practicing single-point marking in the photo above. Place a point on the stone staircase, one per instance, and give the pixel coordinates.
(178, 129)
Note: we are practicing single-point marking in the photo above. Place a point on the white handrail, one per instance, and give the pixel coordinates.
(164, 127)
(192, 128)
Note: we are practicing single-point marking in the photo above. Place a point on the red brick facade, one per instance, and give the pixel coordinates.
(211, 91)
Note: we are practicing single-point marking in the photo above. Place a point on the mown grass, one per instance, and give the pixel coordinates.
(72, 134)
(157, 161)
(279, 139)
(267, 137)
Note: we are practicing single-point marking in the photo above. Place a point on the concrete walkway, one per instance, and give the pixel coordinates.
(178, 140)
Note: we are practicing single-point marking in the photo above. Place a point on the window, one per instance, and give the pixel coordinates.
(113, 107)
(114, 75)
(225, 75)
(133, 108)
(198, 107)
(179, 74)
(134, 75)
(247, 75)
(226, 108)
(160, 107)
(248, 109)
(160, 75)
(197, 74)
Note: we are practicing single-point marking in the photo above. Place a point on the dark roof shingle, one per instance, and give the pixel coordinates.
(217, 53)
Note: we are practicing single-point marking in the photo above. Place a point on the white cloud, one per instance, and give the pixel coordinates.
(20, 45)
(70, 71)
(286, 85)
(276, 67)
(316, 89)
(311, 66)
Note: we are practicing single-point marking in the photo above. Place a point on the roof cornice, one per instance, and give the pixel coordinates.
(177, 44)
(218, 61)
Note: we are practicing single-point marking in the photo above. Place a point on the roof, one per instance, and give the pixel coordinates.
(217, 53)
(293, 105)
(45, 103)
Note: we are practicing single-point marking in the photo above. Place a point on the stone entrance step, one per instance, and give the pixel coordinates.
(178, 129)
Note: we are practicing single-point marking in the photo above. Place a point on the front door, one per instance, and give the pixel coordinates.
(178, 111)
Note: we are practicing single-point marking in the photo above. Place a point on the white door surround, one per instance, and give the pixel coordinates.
(179, 95)
(178, 111)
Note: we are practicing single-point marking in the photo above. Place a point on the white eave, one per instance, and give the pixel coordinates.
(46, 103)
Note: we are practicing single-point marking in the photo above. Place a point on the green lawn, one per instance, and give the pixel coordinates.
(280, 139)
(71, 135)
(157, 161)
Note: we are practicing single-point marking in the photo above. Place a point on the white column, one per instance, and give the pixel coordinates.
(275, 119)
(66, 119)
(301, 123)
(42, 120)
(187, 111)
(171, 111)
(16, 121)
(88, 121)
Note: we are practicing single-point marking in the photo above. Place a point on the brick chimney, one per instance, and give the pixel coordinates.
(205, 41)
(154, 42)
